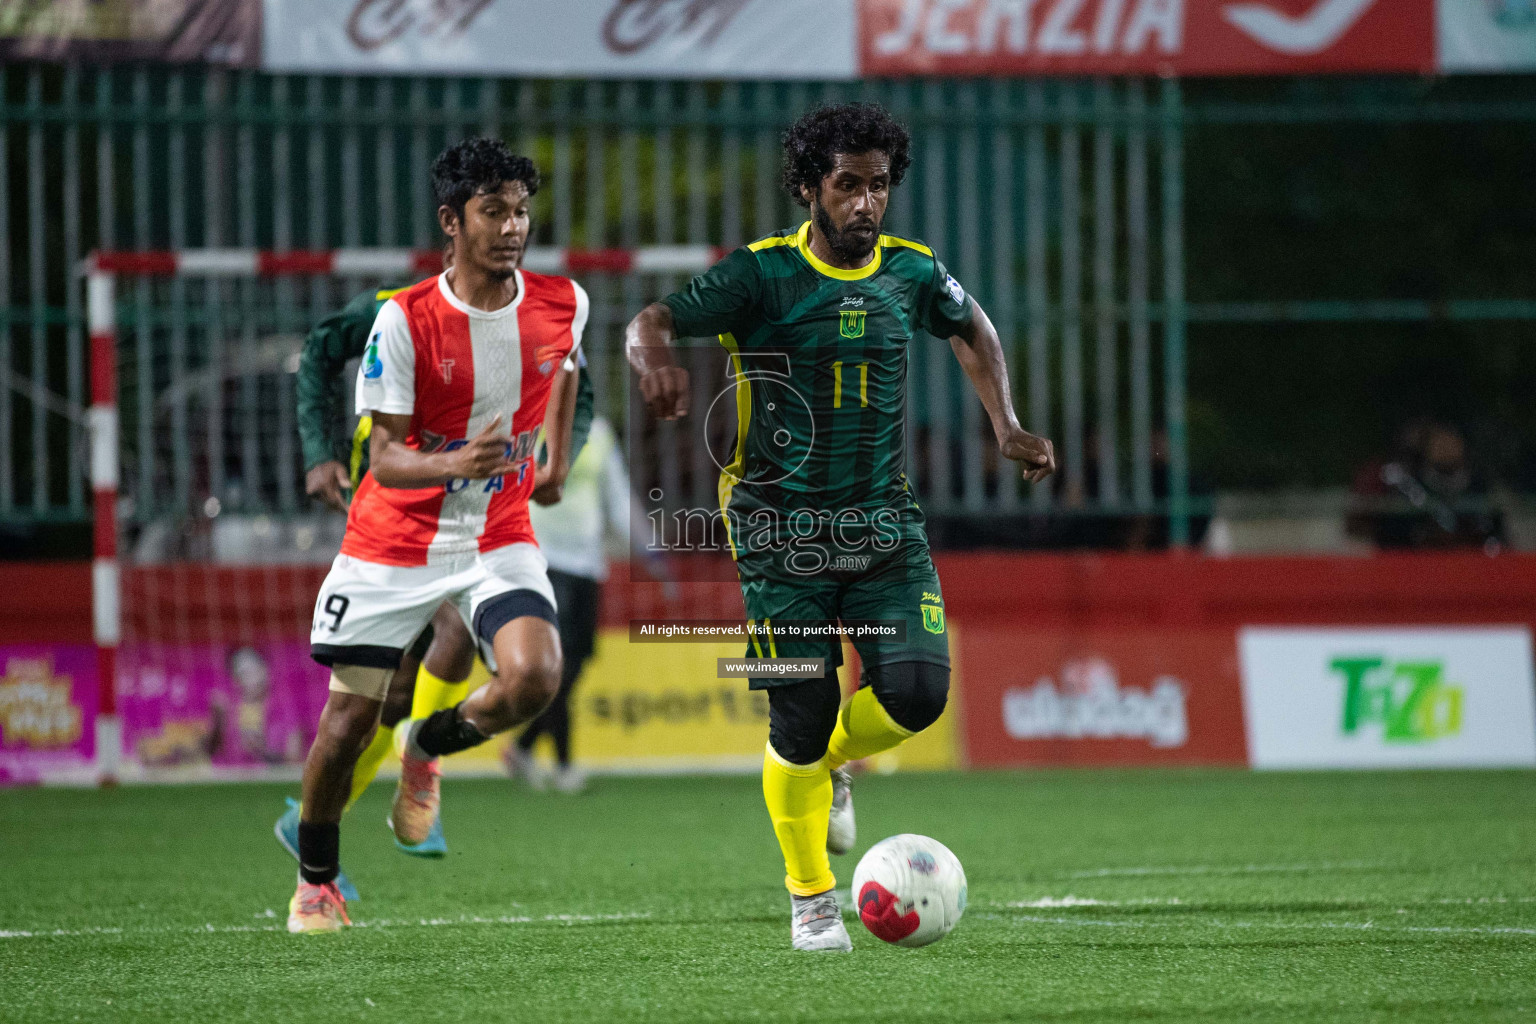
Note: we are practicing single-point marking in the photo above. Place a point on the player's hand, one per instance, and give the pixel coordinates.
(665, 390)
(485, 455)
(329, 482)
(1036, 453)
(548, 487)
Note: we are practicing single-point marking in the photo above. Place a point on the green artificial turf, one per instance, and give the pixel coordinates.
(1156, 896)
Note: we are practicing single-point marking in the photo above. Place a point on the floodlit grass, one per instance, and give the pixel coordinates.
(1156, 896)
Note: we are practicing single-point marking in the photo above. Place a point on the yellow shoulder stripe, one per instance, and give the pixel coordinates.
(770, 242)
(384, 293)
(904, 243)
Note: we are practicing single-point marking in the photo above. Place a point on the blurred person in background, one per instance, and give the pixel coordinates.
(1428, 495)
(595, 507)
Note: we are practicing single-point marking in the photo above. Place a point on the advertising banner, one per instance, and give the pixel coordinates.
(1487, 35)
(776, 39)
(48, 699)
(216, 31)
(1389, 698)
(661, 707)
(1158, 37)
(219, 710)
(1111, 697)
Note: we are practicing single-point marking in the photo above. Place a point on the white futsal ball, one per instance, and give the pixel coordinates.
(910, 890)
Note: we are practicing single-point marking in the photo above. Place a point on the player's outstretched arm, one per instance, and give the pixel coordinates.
(549, 480)
(393, 464)
(980, 352)
(648, 345)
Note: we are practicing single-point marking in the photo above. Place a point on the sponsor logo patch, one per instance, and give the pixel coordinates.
(373, 366)
(953, 287)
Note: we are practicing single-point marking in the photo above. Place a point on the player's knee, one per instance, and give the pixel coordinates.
(913, 693)
(348, 724)
(528, 682)
(801, 717)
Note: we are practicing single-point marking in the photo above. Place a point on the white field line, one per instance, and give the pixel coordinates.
(1057, 902)
(1229, 869)
(1364, 926)
(424, 922)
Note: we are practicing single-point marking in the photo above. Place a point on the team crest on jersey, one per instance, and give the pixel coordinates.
(955, 291)
(546, 356)
(373, 366)
(851, 323)
(933, 618)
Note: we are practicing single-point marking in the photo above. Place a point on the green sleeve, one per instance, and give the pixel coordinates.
(945, 307)
(719, 299)
(321, 391)
(581, 420)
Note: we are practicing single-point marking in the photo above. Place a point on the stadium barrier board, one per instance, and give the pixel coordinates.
(1087, 659)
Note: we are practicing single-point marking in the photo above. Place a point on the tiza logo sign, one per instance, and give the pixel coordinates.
(1410, 701)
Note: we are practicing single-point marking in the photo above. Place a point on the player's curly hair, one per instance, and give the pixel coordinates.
(468, 168)
(811, 142)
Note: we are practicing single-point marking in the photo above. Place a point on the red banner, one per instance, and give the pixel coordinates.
(1106, 697)
(1161, 37)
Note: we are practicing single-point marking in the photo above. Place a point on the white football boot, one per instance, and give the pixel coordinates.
(841, 833)
(816, 923)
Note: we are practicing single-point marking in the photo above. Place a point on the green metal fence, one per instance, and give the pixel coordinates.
(1059, 204)
(1056, 203)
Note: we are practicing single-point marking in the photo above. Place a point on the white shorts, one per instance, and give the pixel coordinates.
(368, 614)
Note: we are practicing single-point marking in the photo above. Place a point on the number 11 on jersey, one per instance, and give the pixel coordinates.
(837, 384)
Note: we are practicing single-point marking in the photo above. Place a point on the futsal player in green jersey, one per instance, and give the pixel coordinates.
(816, 507)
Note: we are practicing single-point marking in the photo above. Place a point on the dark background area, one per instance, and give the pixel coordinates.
(1415, 191)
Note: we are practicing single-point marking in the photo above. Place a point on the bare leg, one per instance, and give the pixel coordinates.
(346, 725)
(527, 678)
(402, 688)
(451, 655)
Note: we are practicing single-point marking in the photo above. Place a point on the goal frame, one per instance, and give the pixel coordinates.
(101, 271)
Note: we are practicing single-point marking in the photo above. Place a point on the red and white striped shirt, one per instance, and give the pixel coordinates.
(453, 368)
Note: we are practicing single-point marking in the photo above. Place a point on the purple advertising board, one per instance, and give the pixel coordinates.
(187, 710)
(48, 698)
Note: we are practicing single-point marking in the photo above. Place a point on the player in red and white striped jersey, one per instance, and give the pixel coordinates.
(460, 373)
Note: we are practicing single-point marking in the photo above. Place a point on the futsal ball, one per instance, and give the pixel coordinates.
(910, 890)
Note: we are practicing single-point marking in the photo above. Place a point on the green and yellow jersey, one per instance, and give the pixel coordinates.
(322, 393)
(820, 362)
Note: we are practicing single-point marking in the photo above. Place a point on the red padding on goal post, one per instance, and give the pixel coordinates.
(153, 262)
(104, 526)
(599, 261)
(276, 264)
(106, 674)
(427, 261)
(103, 368)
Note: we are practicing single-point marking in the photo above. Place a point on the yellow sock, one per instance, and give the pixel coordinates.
(434, 694)
(864, 729)
(369, 763)
(799, 798)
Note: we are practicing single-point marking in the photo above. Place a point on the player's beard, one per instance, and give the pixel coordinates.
(846, 246)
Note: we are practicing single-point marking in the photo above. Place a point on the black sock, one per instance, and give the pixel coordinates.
(319, 852)
(444, 732)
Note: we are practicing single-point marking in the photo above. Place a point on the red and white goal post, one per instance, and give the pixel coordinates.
(102, 271)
